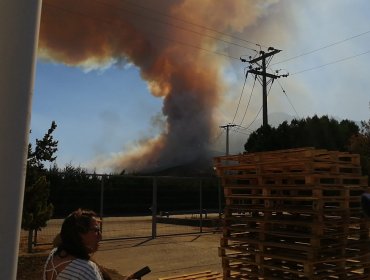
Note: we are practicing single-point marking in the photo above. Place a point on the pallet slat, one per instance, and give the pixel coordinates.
(203, 275)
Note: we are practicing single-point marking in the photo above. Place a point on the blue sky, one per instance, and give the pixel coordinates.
(107, 110)
(97, 112)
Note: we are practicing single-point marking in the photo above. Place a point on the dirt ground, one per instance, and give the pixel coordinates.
(166, 256)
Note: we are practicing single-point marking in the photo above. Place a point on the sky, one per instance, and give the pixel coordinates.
(145, 85)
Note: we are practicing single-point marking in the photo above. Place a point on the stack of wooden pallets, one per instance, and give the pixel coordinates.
(294, 214)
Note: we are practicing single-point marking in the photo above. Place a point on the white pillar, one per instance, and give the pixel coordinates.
(19, 25)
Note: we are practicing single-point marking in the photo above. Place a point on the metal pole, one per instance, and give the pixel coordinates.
(102, 202)
(264, 92)
(154, 208)
(201, 206)
(227, 140)
(19, 35)
(219, 199)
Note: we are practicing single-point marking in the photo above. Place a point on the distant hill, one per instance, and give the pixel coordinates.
(203, 167)
(197, 168)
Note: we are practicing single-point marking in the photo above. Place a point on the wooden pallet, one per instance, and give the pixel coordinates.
(294, 214)
(203, 275)
(320, 155)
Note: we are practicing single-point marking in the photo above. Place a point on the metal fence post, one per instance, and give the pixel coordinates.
(154, 208)
(102, 202)
(219, 198)
(200, 206)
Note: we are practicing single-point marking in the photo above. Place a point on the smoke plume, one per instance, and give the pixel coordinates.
(173, 57)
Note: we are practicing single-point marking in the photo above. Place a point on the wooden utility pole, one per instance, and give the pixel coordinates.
(258, 67)
(227, 135)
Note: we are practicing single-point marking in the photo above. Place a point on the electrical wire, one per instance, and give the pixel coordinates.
(323, 47)
(215, 139)
(240, 129)
(259, 111)
(330, 63)
(197, 25)
(100, 20)
(250, 97)
(241, 95)
(218, 53)
(291, 104)
(173, 25)
(235, 130)
(244, 128)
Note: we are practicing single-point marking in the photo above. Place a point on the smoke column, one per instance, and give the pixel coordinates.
(94, 33)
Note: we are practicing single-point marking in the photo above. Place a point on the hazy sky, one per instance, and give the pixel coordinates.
(132, 84)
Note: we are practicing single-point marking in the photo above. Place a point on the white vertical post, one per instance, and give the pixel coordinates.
(18, 43)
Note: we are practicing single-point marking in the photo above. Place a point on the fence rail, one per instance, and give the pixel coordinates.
(137, 206)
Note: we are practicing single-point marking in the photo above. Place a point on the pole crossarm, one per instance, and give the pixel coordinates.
(261, 70)
(272, 76)
(264, 55)
(227, 126)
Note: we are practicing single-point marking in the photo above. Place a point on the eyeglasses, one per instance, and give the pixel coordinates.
(95, 229)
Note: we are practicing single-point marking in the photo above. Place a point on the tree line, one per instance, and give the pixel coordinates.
(318, 132)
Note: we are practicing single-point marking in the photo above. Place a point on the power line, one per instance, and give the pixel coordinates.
(259, 111)
(240, 98)
(330, 63)
(323, 47)
(198, 25)
(215, 139)
(291, 104)
(249, 101)
(109, 22)
(240, 129)
(100, 19)
(175, 26)
(243, 128)
(235, 130)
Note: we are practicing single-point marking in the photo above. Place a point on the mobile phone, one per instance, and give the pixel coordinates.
(140, 273)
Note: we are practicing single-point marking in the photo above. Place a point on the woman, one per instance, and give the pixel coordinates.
(79, 238)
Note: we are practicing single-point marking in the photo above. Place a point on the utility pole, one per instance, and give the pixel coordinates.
(260, 70)
(227, 135)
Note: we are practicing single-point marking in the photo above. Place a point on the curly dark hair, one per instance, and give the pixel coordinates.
(76, 223)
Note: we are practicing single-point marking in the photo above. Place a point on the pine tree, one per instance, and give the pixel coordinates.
(36, 208)
(360, 143)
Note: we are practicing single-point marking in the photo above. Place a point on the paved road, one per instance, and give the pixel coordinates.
(166, 256)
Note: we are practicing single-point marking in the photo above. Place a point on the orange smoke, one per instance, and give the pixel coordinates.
(92, 33)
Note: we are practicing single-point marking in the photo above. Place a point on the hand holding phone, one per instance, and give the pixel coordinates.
(140, 273)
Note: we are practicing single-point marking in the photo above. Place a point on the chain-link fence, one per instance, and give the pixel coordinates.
(137, 206)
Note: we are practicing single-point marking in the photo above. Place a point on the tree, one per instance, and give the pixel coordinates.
(36, 208)
(321, 133)
(360, 144)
